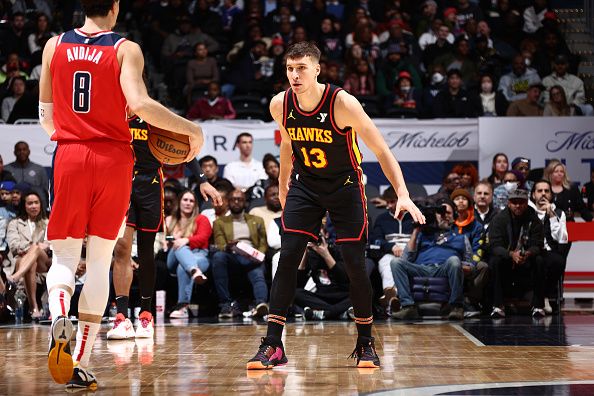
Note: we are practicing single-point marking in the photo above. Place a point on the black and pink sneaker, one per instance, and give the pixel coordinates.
(269, 355)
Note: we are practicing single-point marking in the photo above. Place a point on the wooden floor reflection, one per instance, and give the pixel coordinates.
(210, 359)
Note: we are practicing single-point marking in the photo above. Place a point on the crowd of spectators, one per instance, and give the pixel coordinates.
(212, 59)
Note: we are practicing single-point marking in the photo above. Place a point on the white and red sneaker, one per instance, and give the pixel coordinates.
(145, 327)
(122, 329)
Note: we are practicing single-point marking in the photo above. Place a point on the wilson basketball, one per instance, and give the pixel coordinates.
(168, 147)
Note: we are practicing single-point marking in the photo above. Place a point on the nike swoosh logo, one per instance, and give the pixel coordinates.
(202, 175)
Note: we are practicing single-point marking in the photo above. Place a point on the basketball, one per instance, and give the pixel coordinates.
(168, 147)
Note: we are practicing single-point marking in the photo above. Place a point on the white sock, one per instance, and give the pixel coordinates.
(85, 338)
(59, 302)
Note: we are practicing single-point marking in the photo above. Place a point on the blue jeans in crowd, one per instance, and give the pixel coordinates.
(223, 262)
(403, 271)
(182, 261)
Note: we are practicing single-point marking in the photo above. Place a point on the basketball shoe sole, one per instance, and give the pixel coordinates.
(59, 358)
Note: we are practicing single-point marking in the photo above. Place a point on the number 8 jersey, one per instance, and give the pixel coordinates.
(320, 148)
(88, 100)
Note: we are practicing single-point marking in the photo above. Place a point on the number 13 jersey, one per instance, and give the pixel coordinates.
(88, 100)
(320, 148)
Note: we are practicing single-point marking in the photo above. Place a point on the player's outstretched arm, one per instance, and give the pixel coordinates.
(139, 102)
(286, 165)
(349, 112)
(46, 101)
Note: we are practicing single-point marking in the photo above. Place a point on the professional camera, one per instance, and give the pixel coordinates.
(430, 212)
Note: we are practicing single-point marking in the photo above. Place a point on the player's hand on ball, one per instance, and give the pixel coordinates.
(195, 146)
(407, 205)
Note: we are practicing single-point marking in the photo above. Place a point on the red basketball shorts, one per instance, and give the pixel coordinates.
(90, 189)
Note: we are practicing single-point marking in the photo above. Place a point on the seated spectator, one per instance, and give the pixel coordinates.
(4, 174)
(360, 82)
(483, 204)
(528, 107)
(210, 167)
(26, 240)
(272, 209)
(396, 61)
(441, 47)
(330, 42)
(5, 218)
(11, 69)
(41, 33)
(451, 182)
(434, 250)
(397, 33)
(6, 197)
(200, 71)
(522, 165)
(428, 13)
(218, 210)
(17, 90)
(534, 15)
(323, 291)
(501, 193)
(588, 191)
(499, 167)
(515, 84)
(14, 36)
(188, 233)
(246, 75)
(476, 271)
(228, 232)
(516, 238)
(468, 175)
(405, 100)
(461, 60)
(213, 106)
(553, 46)
(390, 234)
(272, 169)
(572, 85)
(455, 101)
(557, 105)
(437, 83)
(465, 11)
(29, 172)
(493, 102)
(430, 36)
(566, 195)
(555, 235)
(247, 171)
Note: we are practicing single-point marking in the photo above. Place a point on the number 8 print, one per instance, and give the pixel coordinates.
(81, 92)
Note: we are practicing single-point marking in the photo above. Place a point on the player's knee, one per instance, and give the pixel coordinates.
(122, 250)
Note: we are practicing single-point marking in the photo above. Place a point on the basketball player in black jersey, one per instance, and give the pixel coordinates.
(145, 215)
(319, 126)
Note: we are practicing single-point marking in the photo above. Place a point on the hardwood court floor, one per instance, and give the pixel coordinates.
(210, 358)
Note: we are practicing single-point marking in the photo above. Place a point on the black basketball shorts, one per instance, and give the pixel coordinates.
(344, 198)
(146, 202)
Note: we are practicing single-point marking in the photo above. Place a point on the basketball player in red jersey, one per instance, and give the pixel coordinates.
(319, 125)
(90, 77)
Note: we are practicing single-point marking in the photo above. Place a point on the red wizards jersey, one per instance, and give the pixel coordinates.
(88, 100)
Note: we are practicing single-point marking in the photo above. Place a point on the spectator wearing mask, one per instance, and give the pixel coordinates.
(405, 100)
(390, 235)
(483, 204)
(515, 84)
(247, 171)
(213, 106)
(29, 172)
(432, 252)
(511, 181)
(437, 83)
(228, 232)
(516, 238)
(528, 107)
(455, 101)
(493, 102)
(388, 72)
(555, 233)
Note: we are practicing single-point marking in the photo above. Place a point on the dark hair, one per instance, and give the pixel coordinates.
(269, 186)
(22, 207)
(12, 80)
(534, 187)
(242, 134)
(269, 158)
(97, 8)
(389, 193)
(224, 185)
(452, 72)
(17, 14)
(303, 48)
(207, 158)
(20, 142)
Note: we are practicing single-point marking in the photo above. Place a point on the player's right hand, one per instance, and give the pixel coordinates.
(195, 147)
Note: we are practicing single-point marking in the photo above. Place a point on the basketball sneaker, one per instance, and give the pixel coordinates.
(122, 329)
(81, 379)
(145, 327)
(365, 353)
(268, 356)
(59, 357)
(180, 311)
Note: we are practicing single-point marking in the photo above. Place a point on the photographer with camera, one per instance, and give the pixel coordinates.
(434, 250)
(516, 238)
(388, 238)
(476, 271)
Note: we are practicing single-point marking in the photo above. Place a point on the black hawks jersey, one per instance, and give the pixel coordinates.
(320, 148)
(145, 160)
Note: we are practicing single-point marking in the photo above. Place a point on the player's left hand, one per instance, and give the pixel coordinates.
(407, 205)
(207, 190)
